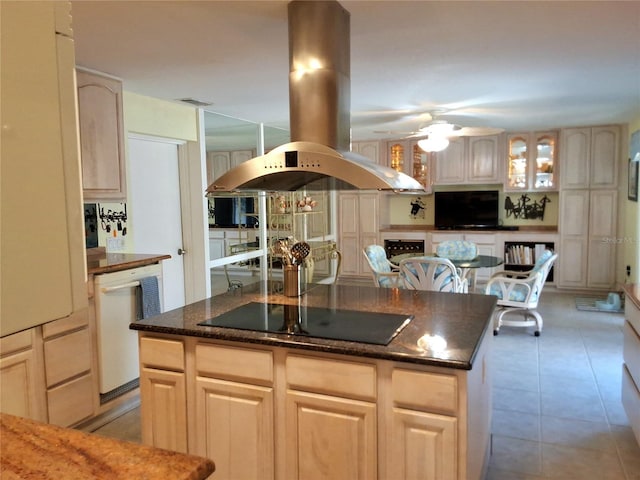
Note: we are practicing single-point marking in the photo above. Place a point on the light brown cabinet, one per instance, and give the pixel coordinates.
(587, 220)
(272, 412)
(101, 136)
(468, 160)
(219, 163)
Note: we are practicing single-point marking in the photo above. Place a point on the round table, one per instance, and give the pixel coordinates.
(465, 266)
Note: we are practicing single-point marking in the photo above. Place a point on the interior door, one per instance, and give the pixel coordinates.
(156, 220)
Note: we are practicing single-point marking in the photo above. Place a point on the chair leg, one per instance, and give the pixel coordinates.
(531, 317)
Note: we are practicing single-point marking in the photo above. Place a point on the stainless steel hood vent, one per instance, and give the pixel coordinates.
(319, 99)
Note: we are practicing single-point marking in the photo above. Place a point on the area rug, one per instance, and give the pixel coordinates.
(589, 304)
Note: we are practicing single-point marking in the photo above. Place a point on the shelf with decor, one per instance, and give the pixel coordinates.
(522, 256)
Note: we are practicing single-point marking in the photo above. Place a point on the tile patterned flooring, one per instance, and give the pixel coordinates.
(557, 411)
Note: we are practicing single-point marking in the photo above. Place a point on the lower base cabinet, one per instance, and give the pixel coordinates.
(263, 412)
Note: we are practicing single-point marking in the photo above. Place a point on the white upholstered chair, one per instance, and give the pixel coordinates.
(519, 292)
(431, 273)
(385, 273)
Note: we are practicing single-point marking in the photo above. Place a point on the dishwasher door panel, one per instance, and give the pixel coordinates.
(115, 295)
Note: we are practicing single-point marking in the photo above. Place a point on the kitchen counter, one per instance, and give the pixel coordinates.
(432, 228)
(461, 320)
(37, 450)
(113, 262)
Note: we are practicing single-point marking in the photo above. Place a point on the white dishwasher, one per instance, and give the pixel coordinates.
(116, 308)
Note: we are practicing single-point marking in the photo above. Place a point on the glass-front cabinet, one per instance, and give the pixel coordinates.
(531, 161)
(407, 157)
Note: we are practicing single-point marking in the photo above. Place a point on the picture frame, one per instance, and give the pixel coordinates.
(633, 180)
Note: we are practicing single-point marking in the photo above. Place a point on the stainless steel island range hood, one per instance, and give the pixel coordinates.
(319, 100)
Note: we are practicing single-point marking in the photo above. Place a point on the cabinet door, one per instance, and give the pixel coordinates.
(602, 239)
(450, 163)
(218, 163)
(239, 156)
(329, 437)
(423, 446)
(368, 226)
(163, 409)
(483, 160)
(605, 143)
(349, 233)
(235, 428)
(574, 231)
(101, 137)
(371, 150)
(575, 152)
(22, 389)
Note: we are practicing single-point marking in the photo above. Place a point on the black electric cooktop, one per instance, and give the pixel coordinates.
(327, 323)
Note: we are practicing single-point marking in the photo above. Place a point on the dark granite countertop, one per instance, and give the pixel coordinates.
(113, 262)
(32, 449)
(460, 319)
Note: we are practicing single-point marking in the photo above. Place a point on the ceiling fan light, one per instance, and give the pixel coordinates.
(433, 143)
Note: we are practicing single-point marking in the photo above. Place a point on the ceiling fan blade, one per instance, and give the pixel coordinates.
(476, 131)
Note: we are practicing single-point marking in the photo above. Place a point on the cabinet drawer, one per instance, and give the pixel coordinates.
(631, 402)
(67, 356)
(424, 391)
(632, 314)
(162, 353)
(480, 238)
(16, 342)
(71, 402)
(234, 363)
(74, 321)
(631, 351)
(332, 377)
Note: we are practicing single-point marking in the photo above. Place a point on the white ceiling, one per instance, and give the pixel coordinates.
(517, 65)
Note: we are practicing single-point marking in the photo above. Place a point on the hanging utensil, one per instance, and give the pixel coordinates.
(300, 251)
(282, 249)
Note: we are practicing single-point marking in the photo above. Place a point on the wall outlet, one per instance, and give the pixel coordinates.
(115, 244)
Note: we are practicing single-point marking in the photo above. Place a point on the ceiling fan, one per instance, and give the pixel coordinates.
(437, 132)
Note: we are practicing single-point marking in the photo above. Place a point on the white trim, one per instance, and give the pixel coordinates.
(155, 138)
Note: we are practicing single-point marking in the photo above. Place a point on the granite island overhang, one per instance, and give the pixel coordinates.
(457, 322)
(265, 404)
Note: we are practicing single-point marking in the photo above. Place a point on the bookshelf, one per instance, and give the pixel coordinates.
(521, 256)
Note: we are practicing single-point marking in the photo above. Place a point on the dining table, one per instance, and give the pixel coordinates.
(466, 266)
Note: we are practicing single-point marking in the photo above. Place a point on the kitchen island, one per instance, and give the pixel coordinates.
(268, 404)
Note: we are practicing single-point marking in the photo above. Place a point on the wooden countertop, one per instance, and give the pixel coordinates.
(32, 449)
(460, 319)
(632, 292)
(113, 262)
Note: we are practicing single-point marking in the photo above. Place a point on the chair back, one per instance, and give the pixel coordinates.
(431, 273)
(381, 268)
(457, 250)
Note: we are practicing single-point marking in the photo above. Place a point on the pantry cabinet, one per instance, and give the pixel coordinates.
(468, 160)
(40, 168)
(101, 137)
(358, 225)
(587, 219)
(589, 157)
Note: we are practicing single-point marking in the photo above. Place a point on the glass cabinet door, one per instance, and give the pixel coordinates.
(545, 161)
(517, 178)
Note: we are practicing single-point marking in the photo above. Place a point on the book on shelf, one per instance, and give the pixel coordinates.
(519, 254)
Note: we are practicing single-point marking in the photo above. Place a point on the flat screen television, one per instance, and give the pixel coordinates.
(464, 210)
(231, 212)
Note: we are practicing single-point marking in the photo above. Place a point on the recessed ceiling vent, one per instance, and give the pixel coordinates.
(194, 102)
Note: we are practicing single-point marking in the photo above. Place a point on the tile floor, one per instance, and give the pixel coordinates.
(556, 405)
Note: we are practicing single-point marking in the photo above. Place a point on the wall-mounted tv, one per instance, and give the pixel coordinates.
(464, 210)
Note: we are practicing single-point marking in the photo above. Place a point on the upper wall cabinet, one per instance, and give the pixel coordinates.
(407, 157)
(468, 160)
(371, 150)
(531, 162)
(589, 157)
(101, 137)
(219, 163)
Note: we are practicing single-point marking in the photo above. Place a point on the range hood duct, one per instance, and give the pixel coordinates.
(318, 157)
